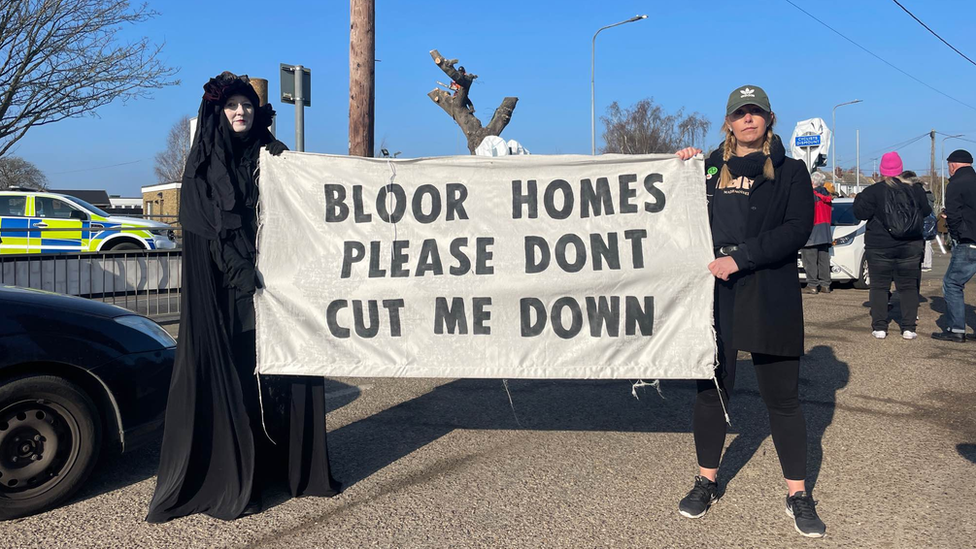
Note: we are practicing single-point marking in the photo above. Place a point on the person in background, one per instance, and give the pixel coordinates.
(893, 244)
(928, 224)
(816, 253)
(960, 217)
(760, 211)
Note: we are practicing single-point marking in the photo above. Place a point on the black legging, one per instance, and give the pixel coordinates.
(778, 384)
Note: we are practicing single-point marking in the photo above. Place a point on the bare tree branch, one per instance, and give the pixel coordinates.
(65, 58)
(171, 161)
(460, 107)
(17, 172)
(647, 128)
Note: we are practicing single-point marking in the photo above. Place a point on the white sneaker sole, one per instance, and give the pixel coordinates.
(699, 515)
(801, 532)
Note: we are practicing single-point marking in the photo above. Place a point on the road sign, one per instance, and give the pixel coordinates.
(288, 85)
(807, 141)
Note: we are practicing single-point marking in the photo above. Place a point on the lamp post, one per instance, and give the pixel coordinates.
(942, 164)
(592, 79)
(833, 140)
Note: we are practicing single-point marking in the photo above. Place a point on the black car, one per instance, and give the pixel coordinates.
(76, 377)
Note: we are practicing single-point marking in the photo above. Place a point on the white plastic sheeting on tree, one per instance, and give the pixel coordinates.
(493, 145)
(810, 140)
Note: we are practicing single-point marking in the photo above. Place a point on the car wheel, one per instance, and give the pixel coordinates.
(50, 437)
(124, 246)
(864, 281)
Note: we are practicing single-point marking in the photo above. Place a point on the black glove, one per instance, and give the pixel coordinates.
(276, 148)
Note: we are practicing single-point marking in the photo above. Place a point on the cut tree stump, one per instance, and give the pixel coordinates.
(459, 105)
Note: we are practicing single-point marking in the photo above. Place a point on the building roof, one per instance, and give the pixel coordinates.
(97, 198)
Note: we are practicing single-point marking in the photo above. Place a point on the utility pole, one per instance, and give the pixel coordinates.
(857, 152)
(260, 86)
(362, 85)
(932, 166)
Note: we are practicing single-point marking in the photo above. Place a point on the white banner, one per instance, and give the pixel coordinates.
(510, 267)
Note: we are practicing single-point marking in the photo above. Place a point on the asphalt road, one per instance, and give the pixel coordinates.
(447, 463)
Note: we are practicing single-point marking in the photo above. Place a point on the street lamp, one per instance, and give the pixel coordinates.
(833, 140)
(592, 79)
(942, 163)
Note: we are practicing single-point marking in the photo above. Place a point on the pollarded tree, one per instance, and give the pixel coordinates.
(65, 58)
(458, 104)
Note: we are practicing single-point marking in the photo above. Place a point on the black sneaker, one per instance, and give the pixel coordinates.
(949, 336)
(802, 509)
(699, 499)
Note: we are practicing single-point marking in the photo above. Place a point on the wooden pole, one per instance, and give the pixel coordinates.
(362, 55)
(260, 86)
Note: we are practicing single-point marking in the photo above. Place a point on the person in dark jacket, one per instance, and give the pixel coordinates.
(816, 253)
(760, 206)
(960, 212)
(892, 257)
(217, 450)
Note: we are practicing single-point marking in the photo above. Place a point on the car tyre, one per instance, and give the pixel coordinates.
(125, 246)
(50, 436)
(863, 281)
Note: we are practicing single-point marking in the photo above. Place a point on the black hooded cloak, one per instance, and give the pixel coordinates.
(217, 451)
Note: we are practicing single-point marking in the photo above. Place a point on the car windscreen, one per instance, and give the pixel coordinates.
(843, 215)
(94, 209)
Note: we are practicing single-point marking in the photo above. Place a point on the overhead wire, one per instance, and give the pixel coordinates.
(883, 60)
(894, 147)
(933, 32)
(99, 167)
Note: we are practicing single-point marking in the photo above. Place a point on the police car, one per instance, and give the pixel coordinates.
(847, 259)
(41, 222)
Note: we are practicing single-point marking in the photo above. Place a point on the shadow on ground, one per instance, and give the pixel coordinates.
(938, 305)
(115, 471)
(967, 451)
(360, 449)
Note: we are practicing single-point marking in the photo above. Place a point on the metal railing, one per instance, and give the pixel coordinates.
(145, 281)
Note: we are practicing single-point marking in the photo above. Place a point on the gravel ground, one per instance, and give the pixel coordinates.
(448, 463)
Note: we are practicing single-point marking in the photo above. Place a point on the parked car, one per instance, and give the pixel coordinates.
(76, 377)
(41, 222)
(847, 260)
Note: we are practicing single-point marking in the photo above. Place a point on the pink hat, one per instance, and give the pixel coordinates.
(891, 165)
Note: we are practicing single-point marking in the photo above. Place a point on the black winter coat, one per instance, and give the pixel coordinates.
(869, 204)
(960, 205)
(768, 315)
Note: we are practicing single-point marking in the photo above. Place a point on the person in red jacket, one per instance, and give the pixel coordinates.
(816, 253)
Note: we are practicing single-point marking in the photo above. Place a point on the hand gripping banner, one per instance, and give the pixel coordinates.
(512, 267)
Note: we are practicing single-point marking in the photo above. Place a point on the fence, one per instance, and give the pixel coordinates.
(145, 281)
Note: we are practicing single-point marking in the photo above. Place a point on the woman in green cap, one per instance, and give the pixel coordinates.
(760, 206)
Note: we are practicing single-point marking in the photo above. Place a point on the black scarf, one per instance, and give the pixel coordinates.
(751, 165)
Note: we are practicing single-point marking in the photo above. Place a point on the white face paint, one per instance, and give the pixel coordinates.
(239, 112)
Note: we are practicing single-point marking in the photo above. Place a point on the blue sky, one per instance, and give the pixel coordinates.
(686, 54)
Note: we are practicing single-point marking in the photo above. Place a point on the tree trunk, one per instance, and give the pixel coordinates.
(459, 105)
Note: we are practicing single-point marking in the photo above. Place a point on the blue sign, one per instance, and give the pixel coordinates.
(808, 141)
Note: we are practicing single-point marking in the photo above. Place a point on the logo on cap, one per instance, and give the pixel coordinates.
(747, 92)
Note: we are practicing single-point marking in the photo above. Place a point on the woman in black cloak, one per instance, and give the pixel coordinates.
(219, 446)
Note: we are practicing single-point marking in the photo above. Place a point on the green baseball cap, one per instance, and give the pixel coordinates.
(747, 95)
